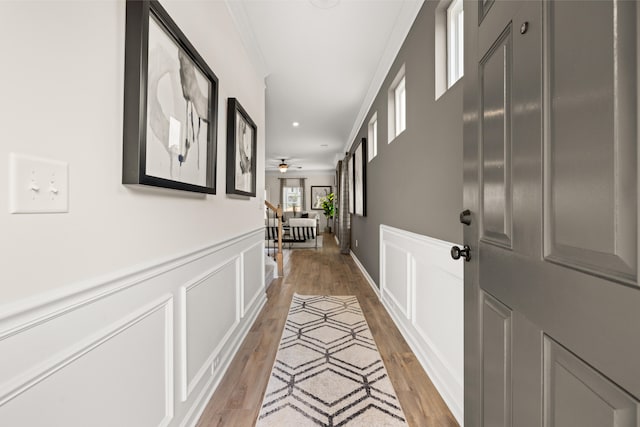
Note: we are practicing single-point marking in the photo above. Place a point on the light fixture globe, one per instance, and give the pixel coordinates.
(283, 166)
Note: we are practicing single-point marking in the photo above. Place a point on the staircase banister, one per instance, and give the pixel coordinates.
(278, 211)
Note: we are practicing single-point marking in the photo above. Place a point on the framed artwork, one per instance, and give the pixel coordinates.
(241, 150)
(359, 178)
(319, 192)
(338, 187)
(350, 186)
(170, 105)
(337, 200)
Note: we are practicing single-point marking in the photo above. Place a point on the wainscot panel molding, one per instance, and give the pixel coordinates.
(422, 289)
(252, 277)
(153, 342)
(205, 303)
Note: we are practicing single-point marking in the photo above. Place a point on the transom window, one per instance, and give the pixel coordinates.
(372, 149)
(455, 41)
(397, 106)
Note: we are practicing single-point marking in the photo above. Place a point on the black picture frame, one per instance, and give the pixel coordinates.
(163, 142)
(241, 166)
(317, 193)
(359, 175)
(350, 187)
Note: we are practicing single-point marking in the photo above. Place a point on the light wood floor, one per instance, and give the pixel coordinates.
(322, 271)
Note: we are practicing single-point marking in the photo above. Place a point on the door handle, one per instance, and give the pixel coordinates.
(465, 252)
(465, 217)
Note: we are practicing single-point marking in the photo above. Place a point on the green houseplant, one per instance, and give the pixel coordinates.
(329, 208)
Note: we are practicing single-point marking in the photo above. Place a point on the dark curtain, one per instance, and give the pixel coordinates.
(344, 217)
(282, 184)
(336, 200)
(303, 191)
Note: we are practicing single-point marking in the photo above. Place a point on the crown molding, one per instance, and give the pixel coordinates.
(241, 21)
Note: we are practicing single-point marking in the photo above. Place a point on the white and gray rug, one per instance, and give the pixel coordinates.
(328, 371)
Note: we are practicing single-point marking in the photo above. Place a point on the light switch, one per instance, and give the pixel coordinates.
(37, 185)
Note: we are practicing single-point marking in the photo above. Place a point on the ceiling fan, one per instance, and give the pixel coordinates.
(283, 165)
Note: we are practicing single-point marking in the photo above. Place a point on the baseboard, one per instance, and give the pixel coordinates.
(365, 273)
(269, 279)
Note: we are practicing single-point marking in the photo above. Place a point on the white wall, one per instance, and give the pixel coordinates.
(62, 98)
(272, 184)
(122, 295)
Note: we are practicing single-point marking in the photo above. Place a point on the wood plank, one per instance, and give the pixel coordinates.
(322, 271)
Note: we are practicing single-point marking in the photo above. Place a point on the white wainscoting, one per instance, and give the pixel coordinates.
(422, 289)
(144, 348)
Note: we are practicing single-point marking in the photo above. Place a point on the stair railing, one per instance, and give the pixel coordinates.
(277, 218)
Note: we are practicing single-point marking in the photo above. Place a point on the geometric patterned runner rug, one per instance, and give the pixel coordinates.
(328, 371)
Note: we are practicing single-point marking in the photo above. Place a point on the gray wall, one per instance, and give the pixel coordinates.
(414, 183)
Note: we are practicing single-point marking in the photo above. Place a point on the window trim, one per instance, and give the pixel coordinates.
(400, 106)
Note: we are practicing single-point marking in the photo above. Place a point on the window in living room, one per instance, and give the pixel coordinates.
(292, 196)
(291, 199)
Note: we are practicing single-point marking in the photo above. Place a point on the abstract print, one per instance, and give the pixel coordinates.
(177, 112)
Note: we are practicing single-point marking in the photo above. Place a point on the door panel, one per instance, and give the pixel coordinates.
(483, 9)
(577, 395)
(591, 137)
(496, 362)
(526, 366)
(551, 119)
(595, 319)
(495, 95)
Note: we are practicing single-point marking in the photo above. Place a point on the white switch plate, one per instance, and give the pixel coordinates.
(37, 185)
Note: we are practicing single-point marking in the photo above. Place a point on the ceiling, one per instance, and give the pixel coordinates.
(323, 62)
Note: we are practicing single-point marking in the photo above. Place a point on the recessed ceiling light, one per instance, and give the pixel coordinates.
(295, 124)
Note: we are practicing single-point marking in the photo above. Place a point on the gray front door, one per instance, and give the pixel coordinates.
(552, 302)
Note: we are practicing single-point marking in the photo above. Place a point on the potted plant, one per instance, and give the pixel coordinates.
(329, 208)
